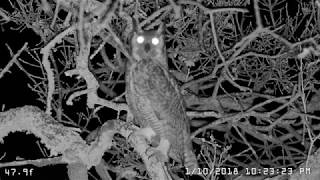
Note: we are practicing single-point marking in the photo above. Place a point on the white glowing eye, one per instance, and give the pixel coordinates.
(155, 41)
(140, 39)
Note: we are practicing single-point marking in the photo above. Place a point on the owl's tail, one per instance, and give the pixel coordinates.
(190, 160)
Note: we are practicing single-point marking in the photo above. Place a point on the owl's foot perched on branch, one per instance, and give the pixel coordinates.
(161, 151)
(161, 145)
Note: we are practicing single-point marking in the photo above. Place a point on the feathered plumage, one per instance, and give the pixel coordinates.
(155, 100)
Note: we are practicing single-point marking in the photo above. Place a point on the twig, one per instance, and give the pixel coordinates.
(246, 142)
(46, 64)
(107, 60)
(153, 16)
(257, 14)
(56, 11)
(13, 60)
(4, 15)
(210, 11)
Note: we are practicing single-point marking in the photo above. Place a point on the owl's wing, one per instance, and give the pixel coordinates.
(168, 106)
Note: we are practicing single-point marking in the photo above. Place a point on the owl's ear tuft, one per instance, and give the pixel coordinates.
(160, 29)
(135, 25)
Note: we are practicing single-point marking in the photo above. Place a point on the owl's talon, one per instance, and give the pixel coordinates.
(160, 152)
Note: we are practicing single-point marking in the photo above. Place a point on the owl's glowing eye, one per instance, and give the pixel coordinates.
(155, 41)
(140, 39)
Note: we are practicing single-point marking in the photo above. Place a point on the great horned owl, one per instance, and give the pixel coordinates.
(155, 100)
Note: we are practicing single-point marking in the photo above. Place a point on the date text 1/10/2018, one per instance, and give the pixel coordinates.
(212, 171)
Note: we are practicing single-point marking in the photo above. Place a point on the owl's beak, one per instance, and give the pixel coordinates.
(147, 47)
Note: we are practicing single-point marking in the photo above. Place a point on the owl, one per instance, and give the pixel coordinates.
(155, 100)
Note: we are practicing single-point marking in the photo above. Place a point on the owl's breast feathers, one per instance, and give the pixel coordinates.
(153, 85)
(156, 101)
